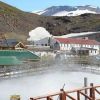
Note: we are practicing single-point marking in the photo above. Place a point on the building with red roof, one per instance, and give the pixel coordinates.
(79, 45)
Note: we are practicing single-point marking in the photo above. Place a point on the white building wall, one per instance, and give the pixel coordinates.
(68, 47)
(93, 52)
(96, 47)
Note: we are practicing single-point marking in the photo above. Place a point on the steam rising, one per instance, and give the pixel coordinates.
(38, 33)
(42, 83)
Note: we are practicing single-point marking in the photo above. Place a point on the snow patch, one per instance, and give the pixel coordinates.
(62, 13)
(73, 13)
(38, 33)
(92, 6)
(40, 12)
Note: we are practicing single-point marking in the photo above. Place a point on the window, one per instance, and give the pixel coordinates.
(45, 44)
(66, 45)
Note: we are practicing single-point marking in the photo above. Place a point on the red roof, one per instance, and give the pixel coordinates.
(77, 41)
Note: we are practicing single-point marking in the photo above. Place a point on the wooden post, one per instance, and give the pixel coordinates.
(92, 91)
(62, 95)
(49, 98)
(85, 85)
(78, 95)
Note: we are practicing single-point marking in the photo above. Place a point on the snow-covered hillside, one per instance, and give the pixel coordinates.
(69, 10)
(73, 13)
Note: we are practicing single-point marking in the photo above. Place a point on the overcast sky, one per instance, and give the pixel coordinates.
(35, 5)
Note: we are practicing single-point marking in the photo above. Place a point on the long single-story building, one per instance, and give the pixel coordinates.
(77, 46)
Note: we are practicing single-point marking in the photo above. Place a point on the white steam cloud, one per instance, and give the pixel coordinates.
(38, 33)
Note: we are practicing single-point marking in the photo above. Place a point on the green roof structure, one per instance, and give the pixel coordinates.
(19, 54)
(10, 57)
(9, 60)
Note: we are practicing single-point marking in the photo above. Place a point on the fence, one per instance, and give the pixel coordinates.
(88, 93)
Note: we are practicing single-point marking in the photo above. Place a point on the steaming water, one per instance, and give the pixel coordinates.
(42, 83)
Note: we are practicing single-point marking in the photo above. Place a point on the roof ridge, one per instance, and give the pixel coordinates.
(78, 41)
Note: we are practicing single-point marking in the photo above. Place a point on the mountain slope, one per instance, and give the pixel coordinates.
(15, 23)
(69, 10)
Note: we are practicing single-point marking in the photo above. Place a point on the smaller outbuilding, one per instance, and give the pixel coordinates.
(11, 44)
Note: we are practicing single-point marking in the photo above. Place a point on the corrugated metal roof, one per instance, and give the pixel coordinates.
(22, 55)
(9, 60)
(77, 41)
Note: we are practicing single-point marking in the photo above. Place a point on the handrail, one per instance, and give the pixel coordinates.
(65, 94)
